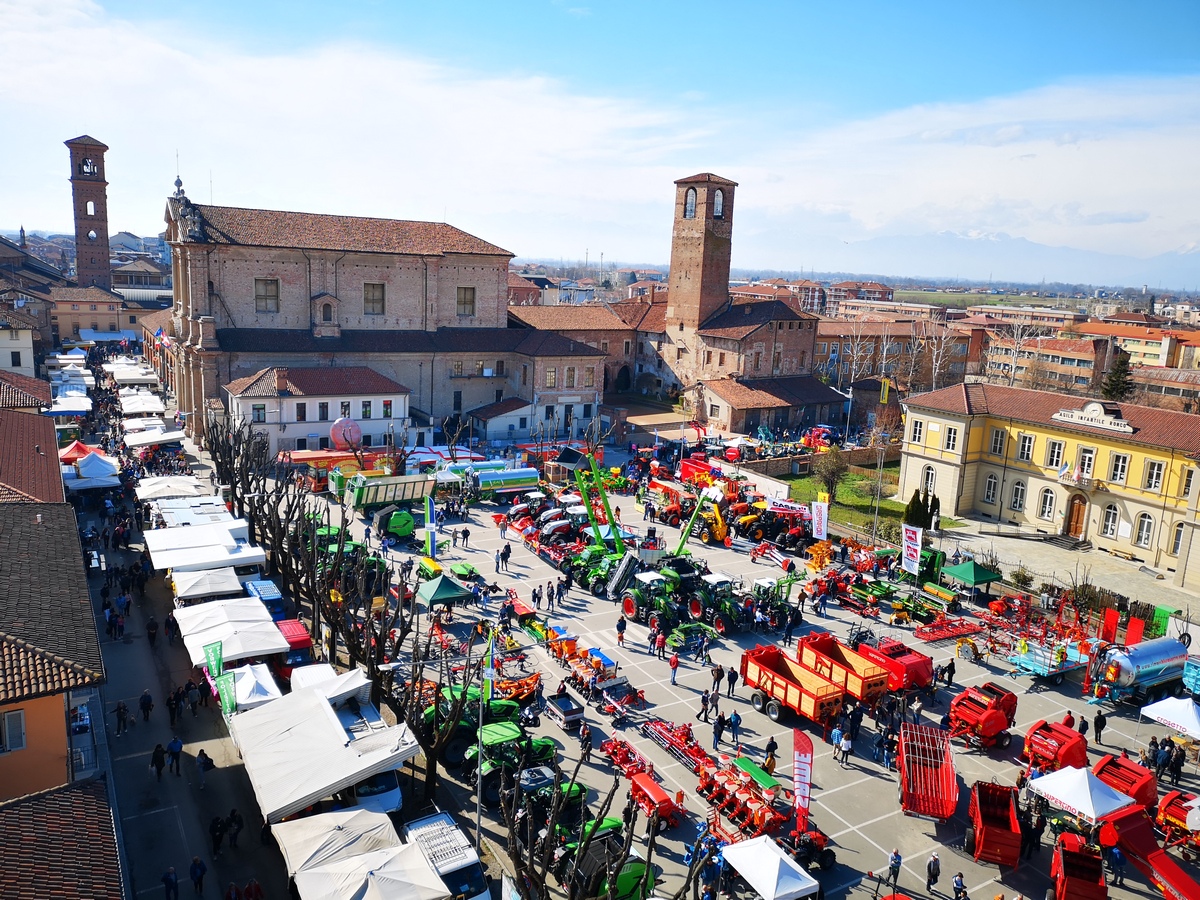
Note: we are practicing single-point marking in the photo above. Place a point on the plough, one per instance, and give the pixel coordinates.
(768, 552)
(678, 741)
(618, 699)
(623, 757)
(945, 628)
(519, 689)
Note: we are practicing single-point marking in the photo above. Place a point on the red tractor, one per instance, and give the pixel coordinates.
(982, 715)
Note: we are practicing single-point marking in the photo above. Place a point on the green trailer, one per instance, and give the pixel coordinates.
(365, 495)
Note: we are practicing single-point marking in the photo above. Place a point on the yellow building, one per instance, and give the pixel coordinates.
(1118, 475)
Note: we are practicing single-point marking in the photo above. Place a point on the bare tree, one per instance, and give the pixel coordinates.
(936, 344)
(862, 349)
(1020, 335)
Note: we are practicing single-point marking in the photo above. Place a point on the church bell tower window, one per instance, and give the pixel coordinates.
(689, 204)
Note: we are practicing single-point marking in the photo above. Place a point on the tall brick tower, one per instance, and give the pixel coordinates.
(700, 247)
(90, 195)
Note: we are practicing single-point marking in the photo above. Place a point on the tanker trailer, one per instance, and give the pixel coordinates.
(1141, 674)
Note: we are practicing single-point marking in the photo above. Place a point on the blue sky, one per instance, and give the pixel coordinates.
(556, 128)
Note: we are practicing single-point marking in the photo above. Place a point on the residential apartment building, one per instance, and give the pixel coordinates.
(593, 324)
(1147, 346)
(856, 307)
(1048, 363)
(81, 312)
(1119, 475)
(918, 353)
(1037, 316)
(17, 331)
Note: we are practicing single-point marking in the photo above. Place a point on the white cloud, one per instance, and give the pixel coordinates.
(525, 162)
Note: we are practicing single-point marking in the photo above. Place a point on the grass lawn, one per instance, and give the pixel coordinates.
(855, 506)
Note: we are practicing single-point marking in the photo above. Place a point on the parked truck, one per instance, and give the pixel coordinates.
(365, 495)
(778, 682)
(826, 656)
(504, 482)
(1141, 674)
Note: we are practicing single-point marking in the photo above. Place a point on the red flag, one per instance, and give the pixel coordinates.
(802, 760)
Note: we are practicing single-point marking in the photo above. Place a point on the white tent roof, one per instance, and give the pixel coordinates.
(88, 334)
(208, 557)
(148, 438)
(71, 405)
(150, 423)
(166, 486)
(192, 511)
(242, 624)
(141, 405)
(400, 874)
(1180, 713)
(323, 678)
(83, 484)
(215, 534)
(314, 841)
(1080, 792)
(205, 583)
(96, 465)
(772, 873)
(254, 685)
(296, 752)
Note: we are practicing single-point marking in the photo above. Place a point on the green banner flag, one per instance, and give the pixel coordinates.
(228, 695)
(214, 658)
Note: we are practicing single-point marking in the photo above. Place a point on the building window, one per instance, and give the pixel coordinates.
(1025, 448)
(552, 377)
(524, 375)
(479, 367)
(1154, 476)
(133, 320)
(387, 409)
(258, 413)
(718, 204)
(466, 301)
(627, 348)
(1108, 524)
(266, 295)
(1018, 496)
(714, 410)
(373, 299)
(458, 369)
(1186, 490)
(708, 357)
(1145, 530)
(918, 431)
(12, 731)
(951, 442)
(928, 479)
(1119, 468)
(327, 312)
(457, 401)
(1046, 504)
(587, 410)
(689, 204)
(569, 377)
(366, 409)
(589, 377)
(757, 361)
(1087, 462)
(604, 346)
(720, 359)
(322, 412)
(679, 354)
(91, 207)
(1177, 539)
(1054, 454)
(989, 489)
(523, 423)
(822, 348)
(16, 358)
(345, 409)
(549, 412)
(499, 367)
(301, 412)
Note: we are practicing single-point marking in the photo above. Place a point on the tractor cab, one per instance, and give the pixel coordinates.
(578, 517)
(549, 515)
(765, 590)
(719, 587)
(531, 504)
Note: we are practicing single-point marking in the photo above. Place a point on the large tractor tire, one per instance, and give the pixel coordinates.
(455, 751)
(721, 624)
(629, 606)
(696, 609)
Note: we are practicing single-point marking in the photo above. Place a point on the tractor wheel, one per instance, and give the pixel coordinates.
(696, 609)
(456, 748)
(673, 521)
(598, 587)
(969, 840)
(629, 607)
(756, 533)
(827, 860)
(489, 791)
(706, 536)
(654, 620)
(662, 826)
(774, 710)
(758, 700)
(721, 624)
(1003, 739)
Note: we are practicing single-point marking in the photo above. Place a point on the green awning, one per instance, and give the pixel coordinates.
(971, 574)
(442, 590)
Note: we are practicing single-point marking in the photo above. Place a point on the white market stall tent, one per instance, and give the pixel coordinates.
(212, 556)
(1080, 793)
(70, 405)
(769, 871)
(178, 512)
(150, 423)
(296, 752)
(314, 841)
(206, 583)
(150, 438)
(224, 534)
(399, 874)
(141, 404)
(242, 625)
(1180, 713)
(254, 685)
(166, 487)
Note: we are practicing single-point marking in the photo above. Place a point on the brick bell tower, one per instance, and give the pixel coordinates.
(89, 192)
(701, 241)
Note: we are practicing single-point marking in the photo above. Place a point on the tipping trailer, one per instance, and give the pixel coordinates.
(1076, 870)
(778, 682)
(994, 834)
(366, 495)
(825, 655)
(928, 780)
(907, 668)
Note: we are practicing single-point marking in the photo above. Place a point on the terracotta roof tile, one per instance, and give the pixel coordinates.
(1160, 428)
(316, 381)
(18, 391)
(33, 473)
(11, 318)
(493, 410)
(62, 845)
(585, 317)
(27, 672)
(314, 231)
(746, 317)
(707, 177)
(773, 393)
(156, 320)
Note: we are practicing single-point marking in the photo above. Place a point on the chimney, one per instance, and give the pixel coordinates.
(281, 380)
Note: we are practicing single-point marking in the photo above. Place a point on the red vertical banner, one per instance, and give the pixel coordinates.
(1108, 629)
(1134, 631)
(802, 760)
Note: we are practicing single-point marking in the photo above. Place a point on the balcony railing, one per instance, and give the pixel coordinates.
(1084, 482)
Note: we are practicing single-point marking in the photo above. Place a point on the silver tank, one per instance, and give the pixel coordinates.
(1151, 661)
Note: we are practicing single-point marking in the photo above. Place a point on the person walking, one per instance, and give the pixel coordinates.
(122, 713)
(714, 702)
(158, 760)
(846, 746)
(735, 727)
(703, 714)
(1116, 859)
(960, 887)
(497, 557)
(585, 742)
(466, 536)
(948, 673)
(193, 696)
(1083, 725)
(788, 631)
(718, 727)
(196, 872)
(216, 831)
(503, 527)
(650, 640)
(660, 644)
(673, 662)
(234, 824)
(718, 673)
(622, 624)
(933, 871)
(145, 704)
(1098, 723)
(771, 748)
(174, 749)
(203, 764)
(731, 677)
(233, 892)
(253, 890)
(152, 631)
(170, 883)
(894, 863)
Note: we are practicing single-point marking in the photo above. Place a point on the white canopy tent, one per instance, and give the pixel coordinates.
(242, 625)
(1080, 792)
(142, 404)
(769, 871)
(122, 362)
(84, 484)
(254, 685)
(70, 405)
(150, 423)
(315, 841)
(89, 334)
(323, 678)
(296, 752)
(164, 487)
(192, 511)
(130, 375)
(398, 874)
(210, 556)
(150, 438)
(222, 534)
(97, 465)
(205, 583)
(1180, 713)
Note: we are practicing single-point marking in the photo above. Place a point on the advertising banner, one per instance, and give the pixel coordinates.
(226, 692)
(214, 657)
(802, 760)
(820, 521)
(911, 559)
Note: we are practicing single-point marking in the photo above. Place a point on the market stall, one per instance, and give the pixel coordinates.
(193, 586)
(242, 625)
(395, 874)
(164, 487)
(152, 438)
(254, 685)
(315, 841)
(770, 872)
(1080, 793)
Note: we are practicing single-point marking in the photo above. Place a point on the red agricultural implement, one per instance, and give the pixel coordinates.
(982, 715)
(994, 834)
(778, 682)
(824, 655)
(1051, 746)
(678, 741)
(947, 628)
(757, 803)
(1132, 830)
(1076, 870)
(928, 781)
(1130, 778)
(1172, 820)
(623, 757)
(906, 668)
(652, 799)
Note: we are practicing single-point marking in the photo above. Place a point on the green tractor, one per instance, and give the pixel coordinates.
(536, 805)
(593, 873)
(598, 828)
(598, 575)
(714, 603)
(506, 748)
(495, 710)
(649, 599)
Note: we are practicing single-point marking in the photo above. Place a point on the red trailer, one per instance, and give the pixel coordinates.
(826, 656)
(982, 715)
(994, 834)
(1052, 746)
(906, 668)
(777, 681)
(1130, 778)
(928, 780)
(1077, 871)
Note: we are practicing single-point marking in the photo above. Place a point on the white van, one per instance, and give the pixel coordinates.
(451, 855)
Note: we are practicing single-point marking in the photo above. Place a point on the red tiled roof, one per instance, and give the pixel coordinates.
(317, 381)
(1161, 428)
(314, 231)
(856, 328)
(1062, 345)
(642, 315)
(156, 320)
(23, 468)
(19, 391)
(27, 672)
(584, 317)
(707, 177)
(62, 845)
(746, 317)
(89, 294)
(19, 321)
(515, 280)
(773, 393)
(495, 410)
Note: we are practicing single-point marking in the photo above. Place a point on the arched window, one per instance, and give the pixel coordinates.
(1046, 504)
(1177, 539)
(989, 489)
(1145, 530)
(327, 312)
(928, 479)
(91, 207)
(1108, 525)
(718, 204)
(689, 204)
(1018, 496)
